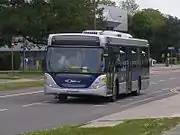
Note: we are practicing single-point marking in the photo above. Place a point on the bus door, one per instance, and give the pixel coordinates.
(128, 69)
(110, 70)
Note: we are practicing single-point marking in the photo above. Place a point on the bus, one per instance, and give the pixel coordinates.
(95, 64)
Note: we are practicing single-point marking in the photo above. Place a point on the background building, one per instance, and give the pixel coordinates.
(115, 17)
(29, 53)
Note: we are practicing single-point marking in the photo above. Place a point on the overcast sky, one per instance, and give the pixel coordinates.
(166, 6)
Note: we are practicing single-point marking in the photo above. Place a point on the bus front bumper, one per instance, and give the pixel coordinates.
(75, 92)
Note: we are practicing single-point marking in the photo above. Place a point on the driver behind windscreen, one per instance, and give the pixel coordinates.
(63, 62)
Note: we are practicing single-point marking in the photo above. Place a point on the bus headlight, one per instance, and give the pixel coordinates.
(99, 82)
(50, 81)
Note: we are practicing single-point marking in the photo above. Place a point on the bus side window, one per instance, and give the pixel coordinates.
(118, 63)
(104, 56)
(110, 60)
(138, 58)
(134, 56)
(123, 58)
(144, 58)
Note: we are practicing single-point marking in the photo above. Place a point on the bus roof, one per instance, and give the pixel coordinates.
(113, 40)
(127, 41)
(77, 34)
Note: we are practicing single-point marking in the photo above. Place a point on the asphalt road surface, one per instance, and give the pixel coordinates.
(30, 110)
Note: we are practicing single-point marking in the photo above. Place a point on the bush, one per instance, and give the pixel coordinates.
(173, 60)
(6, 61)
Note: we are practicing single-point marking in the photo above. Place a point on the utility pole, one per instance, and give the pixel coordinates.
(94, 3)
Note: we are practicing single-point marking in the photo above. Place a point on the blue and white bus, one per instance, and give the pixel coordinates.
(88, 64)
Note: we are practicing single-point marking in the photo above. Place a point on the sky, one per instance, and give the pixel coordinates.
(165, 6)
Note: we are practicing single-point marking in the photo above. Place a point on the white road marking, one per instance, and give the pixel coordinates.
(174, 90)
(161, 81)
(156, 92)
(21, 94)
(48, 102)
(153, 83)
(172, 78)
(3, 110)
(165, 89)
(99, 105)
(32, 104)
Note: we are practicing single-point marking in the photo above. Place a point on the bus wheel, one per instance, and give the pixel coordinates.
(115, 95)
(62, 98)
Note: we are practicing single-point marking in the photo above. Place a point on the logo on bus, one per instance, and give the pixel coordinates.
(72, 81)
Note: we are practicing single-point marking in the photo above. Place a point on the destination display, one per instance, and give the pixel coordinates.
(79, 40)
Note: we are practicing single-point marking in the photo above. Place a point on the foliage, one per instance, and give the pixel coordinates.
(148, 24)
(36, 19)
(20, 85)
(107, 2)
(130, 127)
(5, 60)
(130, 5)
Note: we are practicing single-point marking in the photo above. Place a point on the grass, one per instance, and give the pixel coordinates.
(20, 85)
(130, 127)
(20, 75)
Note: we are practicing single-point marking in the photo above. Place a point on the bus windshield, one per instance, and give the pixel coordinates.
(73, 60)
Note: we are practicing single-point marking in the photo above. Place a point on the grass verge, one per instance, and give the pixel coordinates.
(130, 127)
(20, 85)
(18, 75)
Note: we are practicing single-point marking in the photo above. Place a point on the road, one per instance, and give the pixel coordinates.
(29, 111)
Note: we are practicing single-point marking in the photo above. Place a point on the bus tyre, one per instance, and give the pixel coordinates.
(62, 98)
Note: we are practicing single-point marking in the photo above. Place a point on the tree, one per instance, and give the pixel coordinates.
(107, 2)
(148, 24)
(35, 19)
(7, 8)
(172, 31)
(130, 5)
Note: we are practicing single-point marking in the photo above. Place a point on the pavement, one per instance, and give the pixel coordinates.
(30, 110)
(164, 108)
(174, 131)
(161, 67)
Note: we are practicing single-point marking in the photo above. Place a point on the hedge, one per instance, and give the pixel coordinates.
(6, 61)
